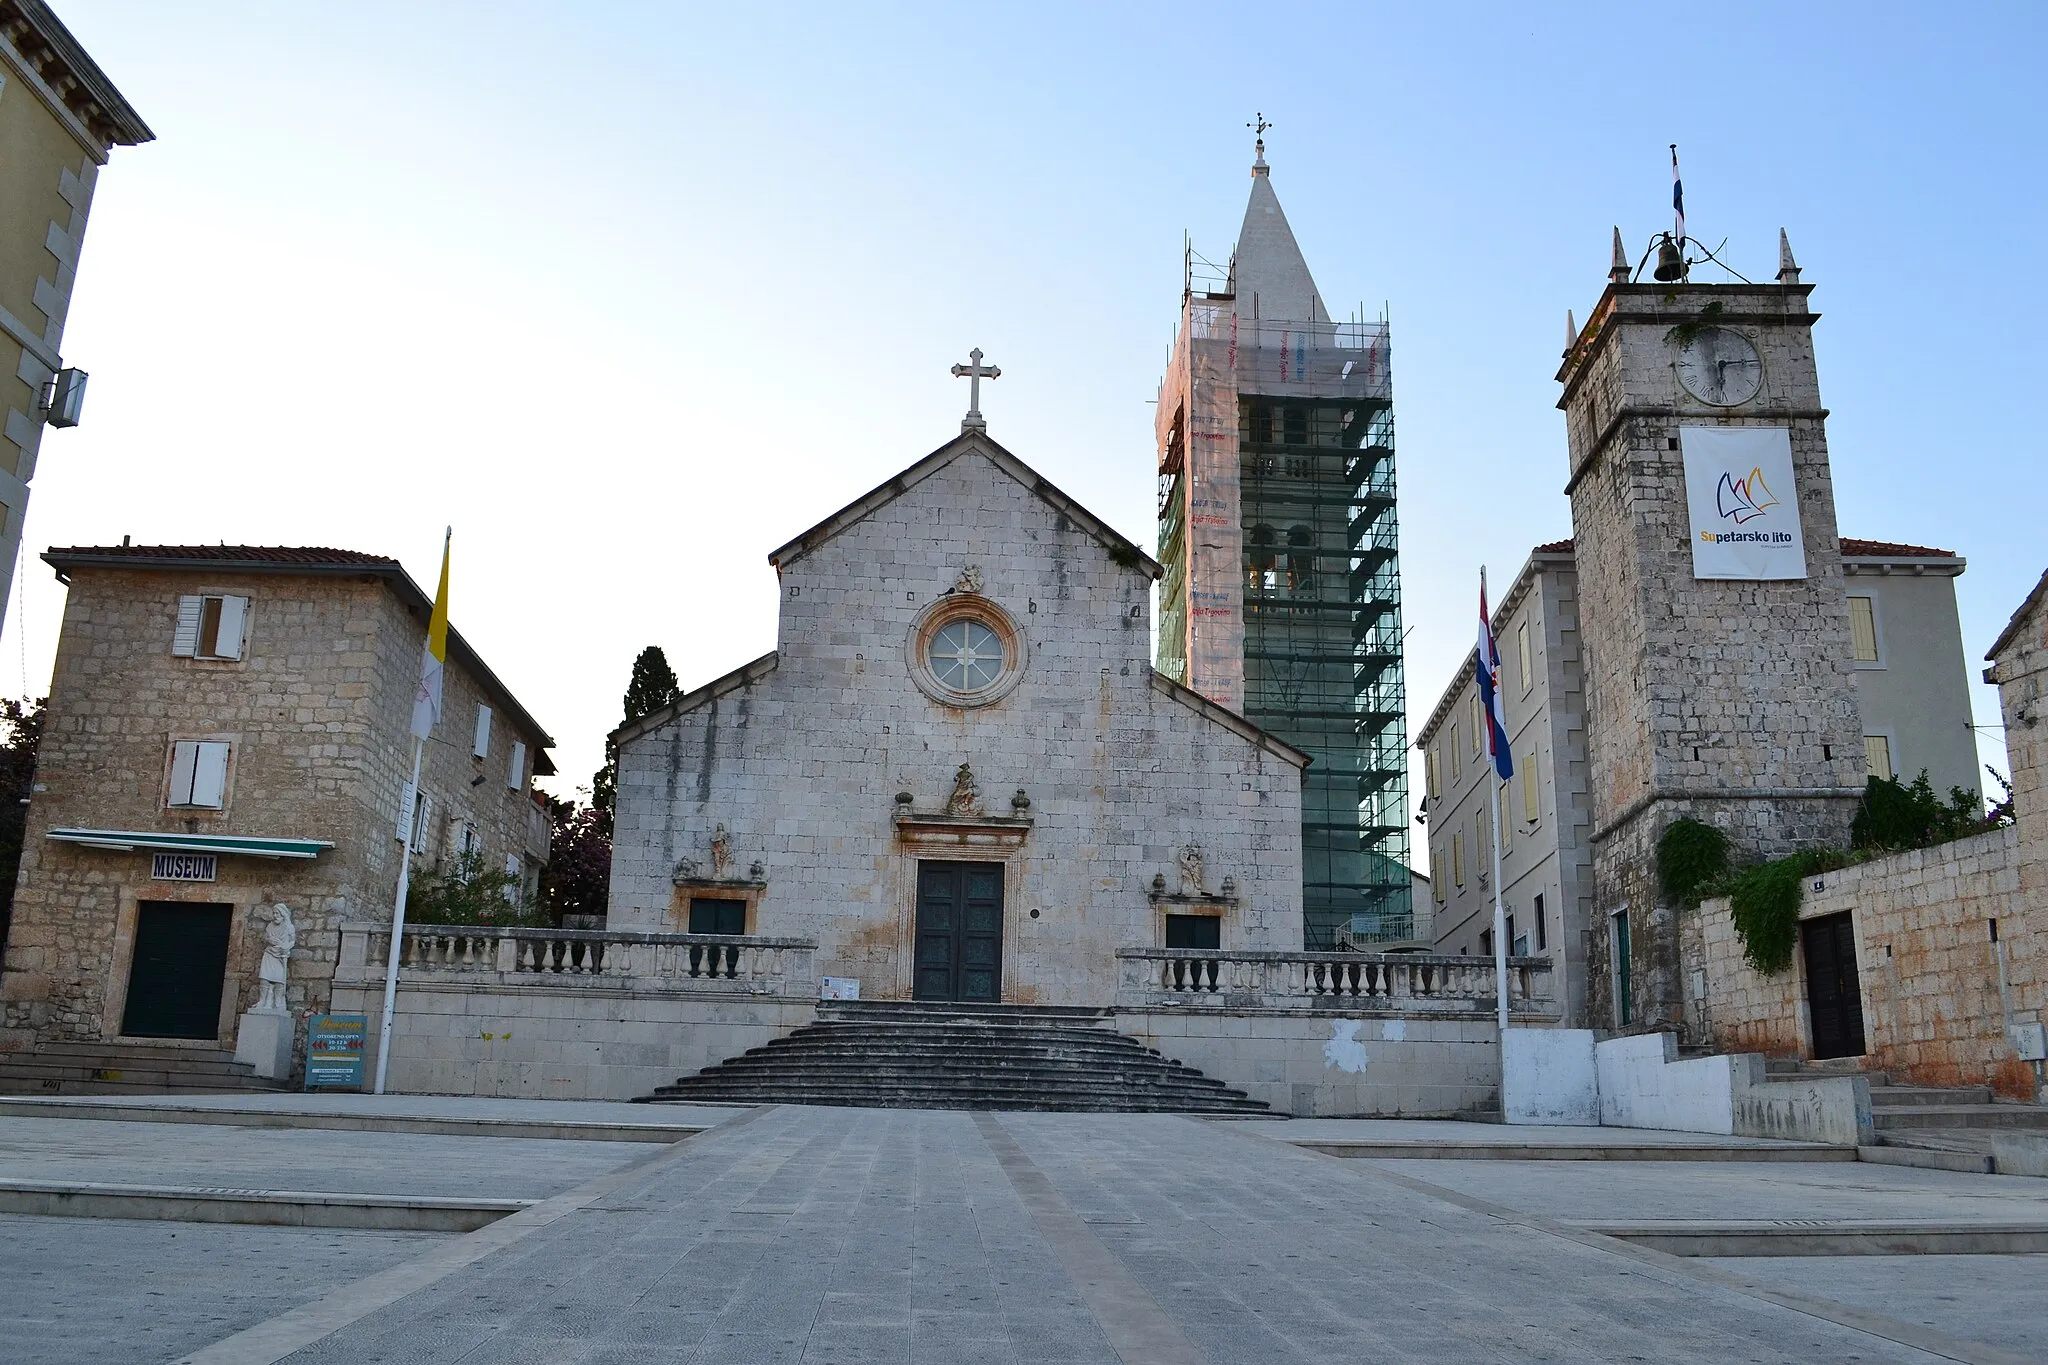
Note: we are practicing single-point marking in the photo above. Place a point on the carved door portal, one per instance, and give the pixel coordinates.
(959, 951)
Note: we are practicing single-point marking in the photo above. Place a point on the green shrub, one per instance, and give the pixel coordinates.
(1692, 856)
(470, 892)
(1896, 815)
(1764, 901)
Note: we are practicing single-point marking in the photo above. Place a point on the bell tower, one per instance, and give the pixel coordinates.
(1712, 611)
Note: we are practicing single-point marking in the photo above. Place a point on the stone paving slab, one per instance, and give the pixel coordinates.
(1718, 1192)
(809, 1235)
(87, 1291)
(2000, 1297)
(188, 1155)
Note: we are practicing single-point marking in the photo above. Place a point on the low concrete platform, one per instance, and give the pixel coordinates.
(447, 1115)
(1451, 1140)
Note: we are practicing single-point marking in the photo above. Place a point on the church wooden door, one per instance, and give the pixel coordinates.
(1832, 990)
(959, 953)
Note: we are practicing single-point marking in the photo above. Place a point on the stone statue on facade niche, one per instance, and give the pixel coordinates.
(758, 872)
(969, 580)
(721, 853)
(966, 797)
(1191, 871)
(686, 870)
(278, 941)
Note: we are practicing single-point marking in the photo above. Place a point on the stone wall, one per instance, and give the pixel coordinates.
(317, 711)
(1938, 990)
(1329, 1066)
(800, 758)
(510, 1041)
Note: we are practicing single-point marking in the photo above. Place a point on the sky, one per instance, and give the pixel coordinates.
(631, 294)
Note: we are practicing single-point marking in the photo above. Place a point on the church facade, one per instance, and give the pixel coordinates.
(958, 773)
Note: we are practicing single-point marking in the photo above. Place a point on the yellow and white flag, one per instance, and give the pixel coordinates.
(426, 703)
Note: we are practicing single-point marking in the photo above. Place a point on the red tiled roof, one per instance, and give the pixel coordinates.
(228, 554)
(1853, 549)
(1887, 549)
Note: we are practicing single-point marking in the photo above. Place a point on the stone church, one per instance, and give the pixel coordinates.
(958, 772)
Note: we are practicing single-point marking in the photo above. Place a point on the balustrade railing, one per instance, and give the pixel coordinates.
(711, 962)
(1421, 981)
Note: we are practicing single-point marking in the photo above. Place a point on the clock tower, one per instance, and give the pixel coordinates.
(1713, 617)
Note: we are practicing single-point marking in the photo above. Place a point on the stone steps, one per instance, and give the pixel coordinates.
(1961, 1116)
(931, 1055)
(1922, 1096)
(117, 1069)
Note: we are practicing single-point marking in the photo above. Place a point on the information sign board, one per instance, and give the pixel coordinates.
(334, 1051)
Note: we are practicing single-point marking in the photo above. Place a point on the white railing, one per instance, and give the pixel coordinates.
(1424, 983)
(710, 963)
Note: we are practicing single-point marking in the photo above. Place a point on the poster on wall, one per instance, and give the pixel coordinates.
(1744, 508)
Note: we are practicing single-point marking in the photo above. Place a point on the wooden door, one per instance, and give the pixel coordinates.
(175, 977)
(959, 948)
(1832, 991)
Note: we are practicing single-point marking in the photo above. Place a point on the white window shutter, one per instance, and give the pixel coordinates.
(234, 618)
(515, 775)
(515, 885)
(424, 823)
(185, 643)
(210, 775)
(407, 795)
(482, 747)
(184, 758)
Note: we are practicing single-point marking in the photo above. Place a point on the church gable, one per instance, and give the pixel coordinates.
(960, 699)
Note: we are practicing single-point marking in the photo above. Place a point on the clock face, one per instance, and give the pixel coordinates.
(1720, 367)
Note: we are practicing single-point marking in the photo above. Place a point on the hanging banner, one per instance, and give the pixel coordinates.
(1744, 507)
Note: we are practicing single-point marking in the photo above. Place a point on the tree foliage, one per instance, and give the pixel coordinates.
(652, 686)
(578, 877)
(21, 731)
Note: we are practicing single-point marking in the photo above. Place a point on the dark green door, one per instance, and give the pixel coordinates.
(174, 979)
(959, 932)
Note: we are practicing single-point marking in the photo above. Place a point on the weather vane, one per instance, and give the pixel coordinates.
(1261, 126)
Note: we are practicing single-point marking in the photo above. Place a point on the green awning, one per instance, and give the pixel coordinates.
(129, 841)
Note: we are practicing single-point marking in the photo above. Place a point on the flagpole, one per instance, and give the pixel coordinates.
(419, 749)
(1500, 918)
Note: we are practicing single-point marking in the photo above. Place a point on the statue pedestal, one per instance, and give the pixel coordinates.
(263, 1039)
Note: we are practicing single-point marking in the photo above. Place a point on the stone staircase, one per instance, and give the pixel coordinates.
(125, 1069)
(1942, 1120)
(929, 1055)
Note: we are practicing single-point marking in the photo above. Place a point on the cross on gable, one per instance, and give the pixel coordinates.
(974, 372)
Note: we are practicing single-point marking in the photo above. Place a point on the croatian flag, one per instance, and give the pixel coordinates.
(1677, 200)
(1489, 692)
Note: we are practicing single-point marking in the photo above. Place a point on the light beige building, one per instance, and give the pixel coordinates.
(59, 118)
(1912, 689)
(228, 731)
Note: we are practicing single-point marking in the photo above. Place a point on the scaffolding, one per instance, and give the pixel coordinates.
(1277, 460)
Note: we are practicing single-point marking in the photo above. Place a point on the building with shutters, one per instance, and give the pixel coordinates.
(60, 119)
(1912, 688)
(228, 730)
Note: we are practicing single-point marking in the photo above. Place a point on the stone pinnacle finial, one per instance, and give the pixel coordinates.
(974, 372)
(1571, 332)
(1788, 269)
(1618, 271)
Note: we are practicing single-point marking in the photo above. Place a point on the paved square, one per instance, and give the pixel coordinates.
(845, 1235)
